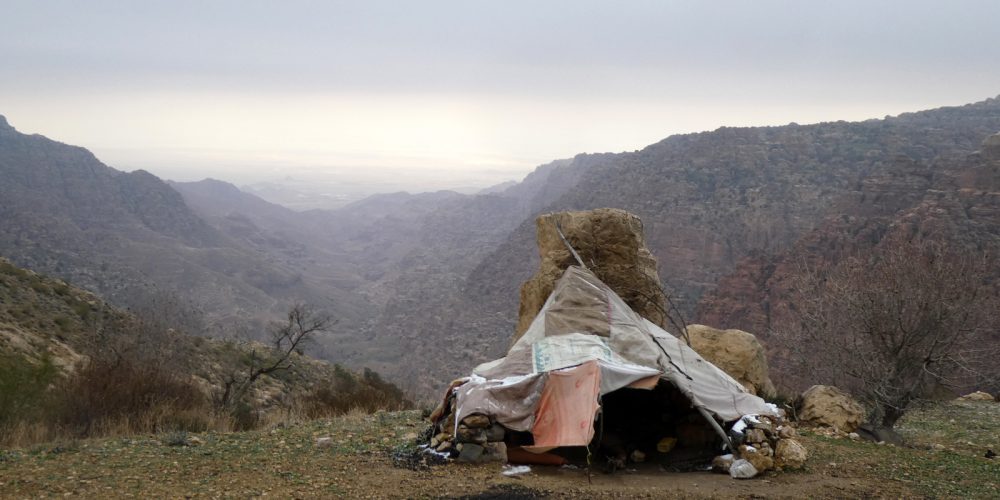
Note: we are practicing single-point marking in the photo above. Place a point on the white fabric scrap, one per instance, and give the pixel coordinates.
(515, 470)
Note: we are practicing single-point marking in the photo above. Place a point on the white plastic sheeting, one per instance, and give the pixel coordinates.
(584, 320)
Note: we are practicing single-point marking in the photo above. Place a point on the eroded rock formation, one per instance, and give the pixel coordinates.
(611, 244)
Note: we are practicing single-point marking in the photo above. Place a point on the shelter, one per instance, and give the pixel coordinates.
(588, 358)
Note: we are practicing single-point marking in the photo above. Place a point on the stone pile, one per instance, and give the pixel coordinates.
(476, 439)
(762, 443)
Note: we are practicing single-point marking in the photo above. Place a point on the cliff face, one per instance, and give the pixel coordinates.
(709, 201)
(951, 200)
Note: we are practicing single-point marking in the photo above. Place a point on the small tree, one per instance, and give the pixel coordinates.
(897, 325)
(287, 338)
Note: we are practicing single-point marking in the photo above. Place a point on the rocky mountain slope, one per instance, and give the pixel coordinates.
(132, 239)
(426, 285)
(43, 318)
(707, 201)
(952, 200)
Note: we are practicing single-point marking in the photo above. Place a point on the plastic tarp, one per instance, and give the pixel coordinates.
(566, 410)
(583, 320)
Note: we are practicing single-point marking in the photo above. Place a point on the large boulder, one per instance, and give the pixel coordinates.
(828, 406)
(611, 244)
(737, 353)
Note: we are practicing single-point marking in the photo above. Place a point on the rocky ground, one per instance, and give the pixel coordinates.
(361, 459)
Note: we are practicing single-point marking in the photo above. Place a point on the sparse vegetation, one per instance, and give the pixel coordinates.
(66, 375)
(897, 325)
(284, 461)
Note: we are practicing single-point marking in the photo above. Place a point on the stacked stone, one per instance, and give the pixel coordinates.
(766, 443)
(477, 439)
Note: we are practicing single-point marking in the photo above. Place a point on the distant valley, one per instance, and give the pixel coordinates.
(425, 285)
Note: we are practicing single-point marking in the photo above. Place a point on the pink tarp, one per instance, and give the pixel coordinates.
(566, 410)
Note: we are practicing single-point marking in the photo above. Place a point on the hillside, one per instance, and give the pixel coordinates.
(952, 200)
(433, 278)
(47, 322)
(707, 201)
(130, 238)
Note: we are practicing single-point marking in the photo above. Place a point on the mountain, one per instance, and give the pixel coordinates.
(426, 285)
(72, 364)
(707, 201)
(132, 239)
(954, 200)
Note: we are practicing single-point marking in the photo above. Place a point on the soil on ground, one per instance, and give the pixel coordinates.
(362, 460)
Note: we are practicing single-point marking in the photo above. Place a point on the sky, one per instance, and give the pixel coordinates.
(372, 96)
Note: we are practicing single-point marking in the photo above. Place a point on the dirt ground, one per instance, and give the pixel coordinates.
(357, 462)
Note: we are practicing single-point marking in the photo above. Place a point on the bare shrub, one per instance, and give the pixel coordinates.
(288, 338)
(122, 397)
(347, 393)
(897, 325)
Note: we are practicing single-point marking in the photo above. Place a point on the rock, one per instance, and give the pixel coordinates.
(854, 436)
(742, 469)
(470, 453)
(611, 243)
(766, 449)
(879, 434)
(476, 421)
(737, 353)
(495, 452)
(722, 463)
(435, 442)
(828, 406)
(324, 442)
(470, 435)
(474, 453)
(765, 424)
(760, 461)
(445, 445)
(787, 432)
(755, 436)
(977, 396)
(495, 433)
(790, 454)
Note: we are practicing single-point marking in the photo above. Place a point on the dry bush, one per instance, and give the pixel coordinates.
(896, 325)
(346, 393)
(124, 397)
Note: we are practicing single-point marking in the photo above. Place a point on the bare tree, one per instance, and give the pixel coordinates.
(301, 325)
(897, 325)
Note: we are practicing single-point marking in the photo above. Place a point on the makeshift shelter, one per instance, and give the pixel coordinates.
(587, 349)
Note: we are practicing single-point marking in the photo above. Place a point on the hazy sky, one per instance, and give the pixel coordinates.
(444, 94)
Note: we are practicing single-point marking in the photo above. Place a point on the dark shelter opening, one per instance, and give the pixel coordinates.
(638, 426)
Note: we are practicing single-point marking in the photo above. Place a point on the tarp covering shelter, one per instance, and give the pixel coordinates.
(586, 342)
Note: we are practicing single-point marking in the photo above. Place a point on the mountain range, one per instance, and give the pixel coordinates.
(426, 285)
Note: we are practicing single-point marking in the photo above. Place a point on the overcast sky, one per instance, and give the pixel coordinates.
(447, 94)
